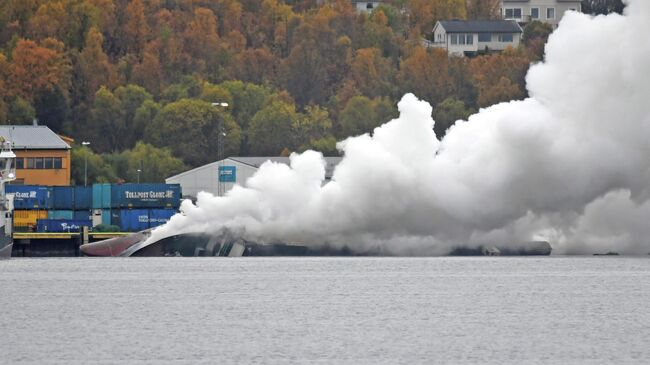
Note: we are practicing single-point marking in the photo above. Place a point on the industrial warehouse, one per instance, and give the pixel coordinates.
(219, 177)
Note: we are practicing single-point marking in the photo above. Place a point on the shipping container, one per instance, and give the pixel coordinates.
(30, 197)
(159, 217)
(81, 215)
(145, 196)
(101, 196)
(83, 197)
(26, 219)
(60, 214)
(133, 220)
(62, 225)
(62, 197)
(106, 217)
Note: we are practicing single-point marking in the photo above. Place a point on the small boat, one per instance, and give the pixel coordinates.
(7, 174)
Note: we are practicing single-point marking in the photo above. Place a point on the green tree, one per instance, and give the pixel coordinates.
(98, 170)
(271, 128)
(131, 97)
(312, 128)
(448, 112)
(155, 164)
(357, 117)
(191, 129)
(107, 121)
(21, 112)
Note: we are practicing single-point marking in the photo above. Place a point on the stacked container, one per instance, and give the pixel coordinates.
(131, 207)
(30, 204)
(135, 207)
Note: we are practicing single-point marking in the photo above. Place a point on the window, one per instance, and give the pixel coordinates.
(461, 39)
(550, 13)
(534, 13)
(42, 163)
(454, 39)
(368, 5)
(514, 13)
(470, 38)
(484, 37)
(20, 163)
(47, 162)
(505, 38)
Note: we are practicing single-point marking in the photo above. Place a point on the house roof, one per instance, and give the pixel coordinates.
(480, 26)
(29, 137)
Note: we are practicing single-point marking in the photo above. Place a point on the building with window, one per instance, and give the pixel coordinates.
(546, 11)
(42, 157)
(365, 5)
(471, 37)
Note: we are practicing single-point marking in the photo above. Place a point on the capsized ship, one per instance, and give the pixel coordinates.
(227, 244)
(7, 174)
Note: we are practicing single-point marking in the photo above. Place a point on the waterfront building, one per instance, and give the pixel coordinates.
(42, 157)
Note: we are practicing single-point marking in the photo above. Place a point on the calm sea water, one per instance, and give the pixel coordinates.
(552, 310)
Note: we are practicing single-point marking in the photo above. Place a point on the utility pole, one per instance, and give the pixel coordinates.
(84, 143)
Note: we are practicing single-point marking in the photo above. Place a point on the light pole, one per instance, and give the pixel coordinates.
(220, 142)
(139, 171)
(84, 143)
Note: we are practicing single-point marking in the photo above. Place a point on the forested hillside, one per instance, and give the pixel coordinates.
(137, 78)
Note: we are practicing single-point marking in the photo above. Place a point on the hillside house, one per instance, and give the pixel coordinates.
(365, 5)
(471, 37)
(547, 11)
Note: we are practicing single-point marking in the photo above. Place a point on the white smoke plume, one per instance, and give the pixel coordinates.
(570, 164)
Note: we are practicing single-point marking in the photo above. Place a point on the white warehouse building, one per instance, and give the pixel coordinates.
(230, 171)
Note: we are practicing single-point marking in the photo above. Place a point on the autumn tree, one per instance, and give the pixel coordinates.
(500, 77)
(94, 66)
(136, 29)
(37, 68)
(425, 73)
(373, 74)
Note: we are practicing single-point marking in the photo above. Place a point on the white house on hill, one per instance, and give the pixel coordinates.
(547, 11)
(470, 37)
(365, 5)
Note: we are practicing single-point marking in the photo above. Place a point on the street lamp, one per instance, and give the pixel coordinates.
(139, 171)
(220, 142)
(84, 143)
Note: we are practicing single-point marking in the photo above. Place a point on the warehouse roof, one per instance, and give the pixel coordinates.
(32, 137)
(256, 162)
(479, 26)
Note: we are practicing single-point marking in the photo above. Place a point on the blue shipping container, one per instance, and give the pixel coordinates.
(60, 214)
(159, 217)
(133, 220)
(62, 197)
(61, 225)
(28, 197)
(146, 196)
(106, 217)
(83, 197)
(101, 196)
(81, 215)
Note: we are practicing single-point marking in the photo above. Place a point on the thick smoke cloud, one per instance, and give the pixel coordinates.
(569, 165)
